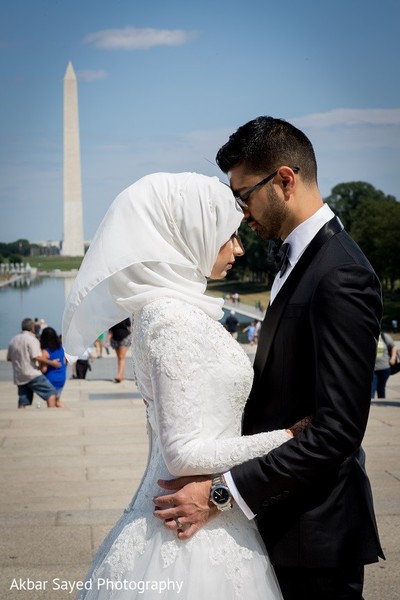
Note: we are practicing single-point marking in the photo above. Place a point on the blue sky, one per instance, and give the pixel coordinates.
(163, 83)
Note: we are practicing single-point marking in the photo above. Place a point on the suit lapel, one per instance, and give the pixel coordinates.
(275, 310)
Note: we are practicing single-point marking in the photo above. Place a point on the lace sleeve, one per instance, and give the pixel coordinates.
(180, 373)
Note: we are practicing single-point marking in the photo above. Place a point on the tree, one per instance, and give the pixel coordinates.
(346, 197)
(372, 219)
(21, 247)
(376, 227)
(255, 260)
(15, 259)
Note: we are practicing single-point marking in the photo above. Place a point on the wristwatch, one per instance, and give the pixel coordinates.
(220, 494)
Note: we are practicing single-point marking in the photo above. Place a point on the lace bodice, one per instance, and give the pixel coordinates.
(195, 379)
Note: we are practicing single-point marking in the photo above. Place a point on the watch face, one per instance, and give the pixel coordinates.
(221, 495)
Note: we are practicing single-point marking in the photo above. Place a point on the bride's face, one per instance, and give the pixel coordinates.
(226, 257)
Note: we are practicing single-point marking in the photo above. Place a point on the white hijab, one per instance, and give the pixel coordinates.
(160, 237)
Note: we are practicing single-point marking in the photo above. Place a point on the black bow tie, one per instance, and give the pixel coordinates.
(279, 253)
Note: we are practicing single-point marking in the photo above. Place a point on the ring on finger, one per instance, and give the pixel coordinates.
(178, 523)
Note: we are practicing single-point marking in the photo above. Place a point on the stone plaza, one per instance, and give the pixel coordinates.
(66, 475)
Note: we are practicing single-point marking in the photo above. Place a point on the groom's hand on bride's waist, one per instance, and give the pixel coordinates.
(187, 508)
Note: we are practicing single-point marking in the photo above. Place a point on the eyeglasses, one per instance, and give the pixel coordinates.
(242, 198)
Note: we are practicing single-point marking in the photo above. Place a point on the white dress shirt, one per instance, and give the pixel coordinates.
(298, 239)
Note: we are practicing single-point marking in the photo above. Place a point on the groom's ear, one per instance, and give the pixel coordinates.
(287, 179)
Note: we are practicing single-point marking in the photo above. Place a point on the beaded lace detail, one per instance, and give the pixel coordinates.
(195, 379)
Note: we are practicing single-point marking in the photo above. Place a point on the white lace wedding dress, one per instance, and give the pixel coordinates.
(195, 379)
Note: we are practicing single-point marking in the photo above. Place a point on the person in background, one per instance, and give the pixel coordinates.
(251, 332)
(232, 324)
(119, 338)
(257, 332)
(236, 298)
(24, 353)
(99, 345)
(42, 325)
(52, 349)
(37, 328)
(82, 365)
(385, 357)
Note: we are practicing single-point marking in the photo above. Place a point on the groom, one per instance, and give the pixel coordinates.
(316, 354)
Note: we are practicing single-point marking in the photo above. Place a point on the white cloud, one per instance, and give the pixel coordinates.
(347, 117)
(89, 75)
(132, 38)
(356, 145)
(354, 131)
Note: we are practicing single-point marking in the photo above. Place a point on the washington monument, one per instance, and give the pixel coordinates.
(73, 223)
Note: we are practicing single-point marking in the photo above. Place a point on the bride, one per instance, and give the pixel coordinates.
(160, 240)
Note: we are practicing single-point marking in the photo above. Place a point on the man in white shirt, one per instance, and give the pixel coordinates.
(25, 354)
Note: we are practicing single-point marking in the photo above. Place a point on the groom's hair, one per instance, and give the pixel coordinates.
(265, 144)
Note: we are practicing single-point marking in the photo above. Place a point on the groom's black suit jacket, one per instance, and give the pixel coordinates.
(316, 356)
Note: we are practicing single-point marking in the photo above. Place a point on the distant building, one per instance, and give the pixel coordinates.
(46, 248)
(51, 247)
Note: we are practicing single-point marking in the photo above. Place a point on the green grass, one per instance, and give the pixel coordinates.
(50, 263)
(250, 293)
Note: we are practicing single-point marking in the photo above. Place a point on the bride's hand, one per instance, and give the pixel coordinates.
(300, 425)
(187, 509)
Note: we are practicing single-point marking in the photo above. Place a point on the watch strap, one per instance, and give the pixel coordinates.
(219, 480)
